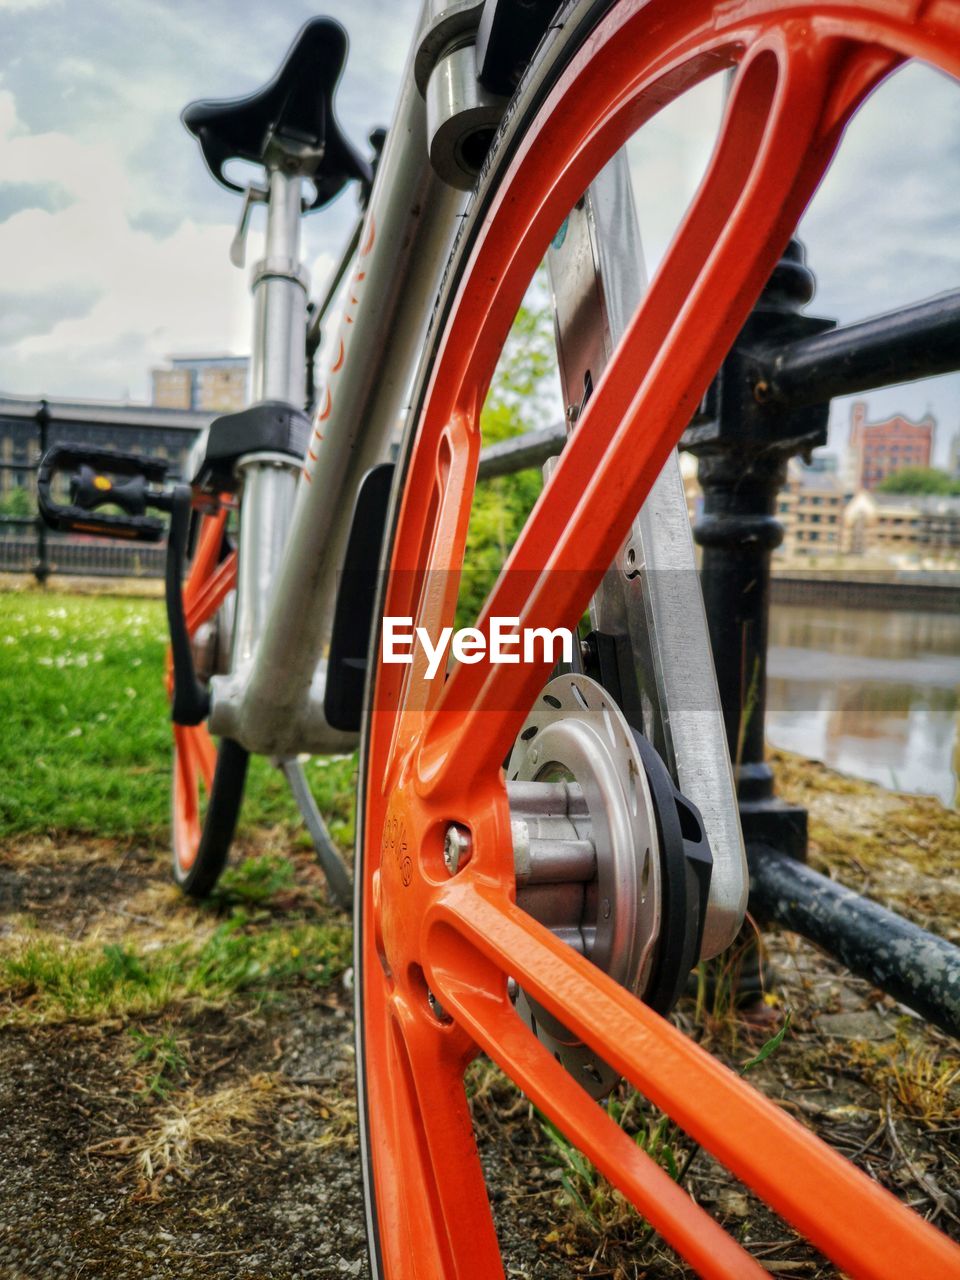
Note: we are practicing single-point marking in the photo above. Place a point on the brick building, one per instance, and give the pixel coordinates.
(204, 384)
(878, 449)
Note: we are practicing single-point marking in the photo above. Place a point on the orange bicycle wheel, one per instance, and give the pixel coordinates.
(435, 950)
(207, 782)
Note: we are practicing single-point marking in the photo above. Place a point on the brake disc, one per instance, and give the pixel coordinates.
(577, 734)
(580, 778)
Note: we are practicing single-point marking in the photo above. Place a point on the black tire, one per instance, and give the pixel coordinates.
(197, 870)
(219, 823)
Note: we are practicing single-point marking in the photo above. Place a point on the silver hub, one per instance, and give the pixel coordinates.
(586, 849)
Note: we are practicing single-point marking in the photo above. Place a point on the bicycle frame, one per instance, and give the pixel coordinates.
(272, 702)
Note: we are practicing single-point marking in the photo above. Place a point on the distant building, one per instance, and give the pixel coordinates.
(205, 384)
(810, 507)
(953, 458)
(896, 525)
(878, 449)
(885, 524)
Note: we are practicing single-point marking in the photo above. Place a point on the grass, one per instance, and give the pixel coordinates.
(86, 742)
(257, 880)
(52, 980)
(921, 1080)
(161, 1060)
(172, 1142)
(600, 1208)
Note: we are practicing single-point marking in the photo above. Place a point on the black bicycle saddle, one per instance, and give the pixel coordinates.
(292, 117)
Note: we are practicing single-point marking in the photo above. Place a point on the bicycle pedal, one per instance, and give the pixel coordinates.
(101, 478)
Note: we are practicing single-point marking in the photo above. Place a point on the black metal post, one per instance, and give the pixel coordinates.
(41, 570)
(743, 447)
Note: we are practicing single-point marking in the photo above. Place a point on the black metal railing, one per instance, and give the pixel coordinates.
(768, 403)
(26, 545)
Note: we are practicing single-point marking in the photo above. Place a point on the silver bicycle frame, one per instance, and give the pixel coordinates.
(272, 701)
(651, 593)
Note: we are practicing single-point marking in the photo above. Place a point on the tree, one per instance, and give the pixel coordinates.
(920, 480)
(18, 502)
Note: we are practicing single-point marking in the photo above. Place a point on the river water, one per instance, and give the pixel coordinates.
(874, 694)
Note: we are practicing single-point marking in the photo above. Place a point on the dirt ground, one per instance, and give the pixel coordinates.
(216, 1137)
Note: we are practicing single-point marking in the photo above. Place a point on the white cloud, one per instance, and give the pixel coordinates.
(140, 248)
(18, 6)
(152, 295)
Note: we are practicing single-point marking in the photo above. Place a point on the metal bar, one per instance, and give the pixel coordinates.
(531, 449)
(41, 570)
(279, 299)
(743, 452)
(334, 868)
(915, 967)
(917, 342)
(318, 314)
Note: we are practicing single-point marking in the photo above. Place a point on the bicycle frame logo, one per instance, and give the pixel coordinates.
(502, 641)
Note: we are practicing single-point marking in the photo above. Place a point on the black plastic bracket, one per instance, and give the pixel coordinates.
(609, 660)
(356, 598)
(269, 427)
(686, 861)
(191, 701)
(507, 36)
(686, 866)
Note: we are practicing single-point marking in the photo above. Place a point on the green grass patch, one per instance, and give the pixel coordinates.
(48, 980)
(161, 1060)
(86, 746)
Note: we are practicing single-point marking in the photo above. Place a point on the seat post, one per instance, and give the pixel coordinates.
(279, 373)
(279, 289)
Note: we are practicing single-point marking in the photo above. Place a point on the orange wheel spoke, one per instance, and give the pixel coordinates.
(209, 582)
(196, 753)
(206, 754)
(207, 555)
(426, 571)
(449, 1199)
(772, 151)
(186, 770)
(474, 932)
(210, 595)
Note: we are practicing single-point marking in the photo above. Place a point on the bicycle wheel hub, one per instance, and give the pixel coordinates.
(586, 848)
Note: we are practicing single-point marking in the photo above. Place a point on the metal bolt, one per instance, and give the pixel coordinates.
(456, 847)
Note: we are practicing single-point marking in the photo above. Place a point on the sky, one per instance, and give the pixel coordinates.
(114, 239)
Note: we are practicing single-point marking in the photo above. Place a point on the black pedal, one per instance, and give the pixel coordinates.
(99, 478)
